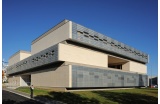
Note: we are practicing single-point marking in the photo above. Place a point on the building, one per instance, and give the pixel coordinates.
(152, 80)
(71, 56)
(4, 66)
(4, 77)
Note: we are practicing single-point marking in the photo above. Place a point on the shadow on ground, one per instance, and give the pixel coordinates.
(8, 101)
(68, 98)
(153, 90)
(127, 98)
(119, 97)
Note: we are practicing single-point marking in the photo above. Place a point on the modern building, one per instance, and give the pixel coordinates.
(71, 56)
(152, 80)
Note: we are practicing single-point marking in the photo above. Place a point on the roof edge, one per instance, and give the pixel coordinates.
(50, 30)
(19, 52)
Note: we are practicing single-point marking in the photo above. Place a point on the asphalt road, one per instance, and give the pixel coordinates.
(11, 98)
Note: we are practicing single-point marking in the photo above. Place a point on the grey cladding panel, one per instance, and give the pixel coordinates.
(46, 56)
(95, 39)
(94, 77)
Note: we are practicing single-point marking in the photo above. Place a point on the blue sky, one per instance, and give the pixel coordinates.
(133, 22)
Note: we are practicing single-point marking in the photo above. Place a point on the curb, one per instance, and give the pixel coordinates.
(17, 93)
(46, 101)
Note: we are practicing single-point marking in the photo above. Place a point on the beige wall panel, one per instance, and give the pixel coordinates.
(14, 81)
(138, 67)
(58, 35)
(126, 66)
(14, 59)
(24, 55)
(20, 55)
(52, 78)
(81, 55)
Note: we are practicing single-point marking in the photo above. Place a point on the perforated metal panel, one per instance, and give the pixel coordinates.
(95, 39)
(46, 56)
(94, 77)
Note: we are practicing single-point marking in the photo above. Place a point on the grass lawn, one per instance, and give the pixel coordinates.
(125, 96)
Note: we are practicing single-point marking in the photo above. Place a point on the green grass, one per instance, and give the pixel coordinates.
(37, 91)
(127, 96)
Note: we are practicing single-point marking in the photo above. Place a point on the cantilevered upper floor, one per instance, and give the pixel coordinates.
(71, 42)
(73, 54)
(71, 31)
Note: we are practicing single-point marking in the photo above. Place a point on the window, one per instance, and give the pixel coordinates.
(122, 47)
(115, 66)
(96, 36)
(138, 54)
(119, 46)
(46, 55)
(125, 49)
(130, 51)
(79, 32)
(116, 45)
(112, 43)
(52, 52)
(105, 41)
(91, 36)
(86, 35)
(101, 39)
(85, 32)
(33, 60)
(135, 52)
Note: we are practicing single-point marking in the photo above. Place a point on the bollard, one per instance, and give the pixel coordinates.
(31, 89)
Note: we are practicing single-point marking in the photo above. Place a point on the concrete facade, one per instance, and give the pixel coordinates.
(72, 56)
(18, 56)
(14, 81)
(52, 77)
(134, 67)
(52, 37)
(76, 54)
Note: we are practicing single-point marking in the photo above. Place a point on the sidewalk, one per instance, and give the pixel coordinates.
(39, 99)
